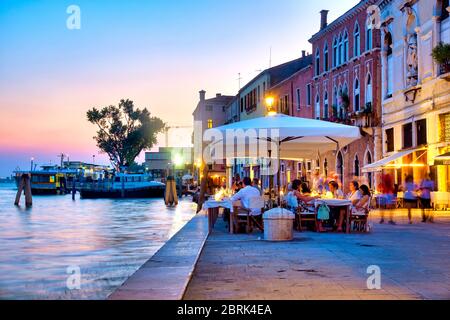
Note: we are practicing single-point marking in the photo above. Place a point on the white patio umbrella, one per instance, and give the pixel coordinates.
(295, 138)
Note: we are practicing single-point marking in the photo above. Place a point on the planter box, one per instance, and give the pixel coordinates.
(278, 225)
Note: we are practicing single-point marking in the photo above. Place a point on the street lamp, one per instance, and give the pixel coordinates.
(269, 103)
(178, 160)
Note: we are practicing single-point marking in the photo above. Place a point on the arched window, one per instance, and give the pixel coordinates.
(340, 166)
(335, 53)
(341, 50)
(390, 64)
(345, 101)
(369, 174)
(356, 95)
(369, 36)
(369, 93)
(345, 53)
(325, 167)
(357, 167)
(335, 98)
(325, 105)
(317, 62)
(317, 109)
(356, 41)
(325, 58)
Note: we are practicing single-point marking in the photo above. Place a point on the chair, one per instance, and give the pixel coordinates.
(306, 213)
(244, 216)
(360, 218)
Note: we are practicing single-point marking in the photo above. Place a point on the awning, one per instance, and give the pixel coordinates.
(385, 163)
(442, 160)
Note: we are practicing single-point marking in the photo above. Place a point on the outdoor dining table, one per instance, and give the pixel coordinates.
(213, 206)
(337, 203)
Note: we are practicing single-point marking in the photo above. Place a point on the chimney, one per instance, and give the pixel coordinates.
(202, 95)
(303, 53)
(323, 19)
(218, 95)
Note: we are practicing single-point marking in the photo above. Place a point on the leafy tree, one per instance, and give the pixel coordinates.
(124, 131)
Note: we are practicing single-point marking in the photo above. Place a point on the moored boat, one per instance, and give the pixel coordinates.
(50, 180)
(123, 186)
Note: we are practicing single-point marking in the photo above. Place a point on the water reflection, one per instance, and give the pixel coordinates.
(108, 239)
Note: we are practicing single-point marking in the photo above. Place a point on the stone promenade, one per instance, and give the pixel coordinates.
(414, 261)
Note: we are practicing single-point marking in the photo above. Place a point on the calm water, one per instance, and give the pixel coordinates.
(107, 239)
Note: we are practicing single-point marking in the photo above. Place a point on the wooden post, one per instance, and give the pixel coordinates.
(74, 190)
(19, 191)
(28, 195)
(123, 188)
(204, 185)
(24, 186)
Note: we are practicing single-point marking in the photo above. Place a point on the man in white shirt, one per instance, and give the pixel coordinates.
(247, 193)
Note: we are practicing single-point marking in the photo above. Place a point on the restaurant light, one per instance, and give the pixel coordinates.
(269, 103)
(399, 166)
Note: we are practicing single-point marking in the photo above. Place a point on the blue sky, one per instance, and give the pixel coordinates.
(157, 53)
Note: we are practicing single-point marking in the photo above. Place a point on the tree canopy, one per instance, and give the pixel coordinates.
(124, 131)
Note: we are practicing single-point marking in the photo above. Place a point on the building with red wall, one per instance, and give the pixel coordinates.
(346, 87)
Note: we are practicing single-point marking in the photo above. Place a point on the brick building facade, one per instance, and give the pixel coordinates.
(346, 87)
(342, 84)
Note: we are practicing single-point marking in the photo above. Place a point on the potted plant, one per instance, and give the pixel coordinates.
(441, 54)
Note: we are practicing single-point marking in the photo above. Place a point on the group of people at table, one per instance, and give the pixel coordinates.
(300, 195)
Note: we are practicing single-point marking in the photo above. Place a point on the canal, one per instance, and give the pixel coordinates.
(43, 248)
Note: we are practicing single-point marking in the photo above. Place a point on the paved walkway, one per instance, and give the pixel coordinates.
(414, 261)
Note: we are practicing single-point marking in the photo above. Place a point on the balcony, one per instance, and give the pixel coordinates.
(364, 117)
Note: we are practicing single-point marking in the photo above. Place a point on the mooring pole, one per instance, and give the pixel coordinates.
(24, 186)
(19, 191)
(28, 195)
(74, 190)
(123, 188)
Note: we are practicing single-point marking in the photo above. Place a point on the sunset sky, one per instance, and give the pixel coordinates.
(158, 53)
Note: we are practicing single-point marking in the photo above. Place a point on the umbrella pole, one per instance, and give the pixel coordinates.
(279, 174)
(270, 180)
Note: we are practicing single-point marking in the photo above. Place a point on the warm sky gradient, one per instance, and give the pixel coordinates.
(159, 53)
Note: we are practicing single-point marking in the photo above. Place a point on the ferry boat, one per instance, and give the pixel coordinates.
(50, 180)
(122, 185)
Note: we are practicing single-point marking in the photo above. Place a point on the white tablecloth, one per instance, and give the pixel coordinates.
(333, 202)
(227, 204)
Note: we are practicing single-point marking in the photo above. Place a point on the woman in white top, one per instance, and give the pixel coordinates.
(361, 207)
(355, 195)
